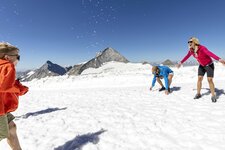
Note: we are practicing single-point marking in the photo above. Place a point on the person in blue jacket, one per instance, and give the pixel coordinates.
(161, 72)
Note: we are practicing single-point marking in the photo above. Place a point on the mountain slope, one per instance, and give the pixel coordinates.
(109, 54)
(47, 70)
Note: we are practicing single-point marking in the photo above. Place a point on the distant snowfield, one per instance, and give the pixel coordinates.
(111, 108)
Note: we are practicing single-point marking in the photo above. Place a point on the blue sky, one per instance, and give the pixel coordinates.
(68, 32)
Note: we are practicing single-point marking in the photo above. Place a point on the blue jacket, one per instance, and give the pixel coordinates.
(164, 72)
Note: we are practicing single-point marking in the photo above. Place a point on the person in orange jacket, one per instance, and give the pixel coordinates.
(10, 90)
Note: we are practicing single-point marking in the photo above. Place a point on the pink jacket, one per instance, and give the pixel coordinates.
(203, 56)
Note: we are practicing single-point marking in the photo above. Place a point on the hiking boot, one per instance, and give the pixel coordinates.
(214, 98)
(197, 96)
(162, 89)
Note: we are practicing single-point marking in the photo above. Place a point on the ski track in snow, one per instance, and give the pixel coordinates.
(121, 115)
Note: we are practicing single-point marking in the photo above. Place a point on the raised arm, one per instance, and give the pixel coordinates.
(184, 59)
(209, 53)
(214, 56)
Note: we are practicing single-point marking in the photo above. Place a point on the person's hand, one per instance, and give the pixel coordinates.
(166, 92)
(178, 65)
(23, 89)
(150, 88)
(222, 61)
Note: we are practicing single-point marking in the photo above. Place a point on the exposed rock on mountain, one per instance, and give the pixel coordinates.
(109, 54)
(48, 69)
(168, 63)
(51, 69)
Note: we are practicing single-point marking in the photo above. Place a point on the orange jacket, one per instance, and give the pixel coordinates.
(10, 89)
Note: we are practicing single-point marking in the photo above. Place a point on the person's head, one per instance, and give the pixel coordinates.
(9, 52)
(192, 42)
(155, 70)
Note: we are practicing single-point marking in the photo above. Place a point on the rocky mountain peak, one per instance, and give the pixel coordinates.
(51, 69)
(107, 55)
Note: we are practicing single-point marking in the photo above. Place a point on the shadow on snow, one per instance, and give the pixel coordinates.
(218, 92)
(49, 110)
(79, 141)
(175, 88)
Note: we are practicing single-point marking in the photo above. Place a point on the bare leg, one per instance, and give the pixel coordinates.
(159, 81)
(199, 84)
(211, 85)
(13, 140)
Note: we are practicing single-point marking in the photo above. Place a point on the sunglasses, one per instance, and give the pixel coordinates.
(190, 42)
(17, 56)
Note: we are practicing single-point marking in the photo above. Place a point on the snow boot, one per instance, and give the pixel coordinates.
(162, 89)
(214, 98)
(197, 96)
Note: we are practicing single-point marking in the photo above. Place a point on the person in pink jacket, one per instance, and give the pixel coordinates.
(204, 57)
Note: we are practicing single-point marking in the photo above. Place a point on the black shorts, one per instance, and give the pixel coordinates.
(209, 69)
